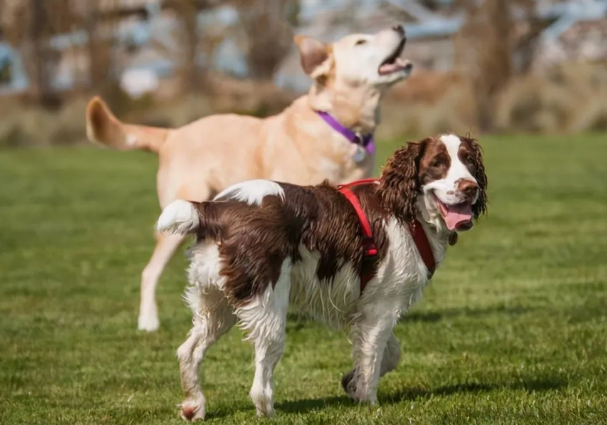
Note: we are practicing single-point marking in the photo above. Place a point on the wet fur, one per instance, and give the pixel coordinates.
(301, 246)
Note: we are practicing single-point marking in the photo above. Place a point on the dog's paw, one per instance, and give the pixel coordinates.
(348, 383)
(263, 402)
(265, 410)
(353, 385)
(193, 410)
(148, 323)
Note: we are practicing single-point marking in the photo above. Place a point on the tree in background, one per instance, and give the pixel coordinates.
(188, 33)
(99, 48)
(488, 46)
(268, 28)
(29, 25)
(264, 28)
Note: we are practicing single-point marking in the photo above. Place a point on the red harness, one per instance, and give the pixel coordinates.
(368, 243)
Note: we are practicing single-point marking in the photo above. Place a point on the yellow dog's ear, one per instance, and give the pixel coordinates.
(314, 55)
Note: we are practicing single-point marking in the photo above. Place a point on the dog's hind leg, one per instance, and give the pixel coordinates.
(148, 312)
(265, 318)
(166, 244)
(212, 318)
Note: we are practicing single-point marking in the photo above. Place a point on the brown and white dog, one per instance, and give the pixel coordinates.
(297, 146)
(263, 246)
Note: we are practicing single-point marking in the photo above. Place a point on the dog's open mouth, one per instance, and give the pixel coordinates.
(457, 217)
(394, 62)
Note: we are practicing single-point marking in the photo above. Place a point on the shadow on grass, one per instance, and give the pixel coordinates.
(299, 321)
(437, 316)
(308, 405)
(410, 394)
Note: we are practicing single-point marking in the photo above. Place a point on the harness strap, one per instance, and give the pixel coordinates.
(368, 242)
(423, 245)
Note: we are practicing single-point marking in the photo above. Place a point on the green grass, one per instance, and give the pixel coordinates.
(513, 328)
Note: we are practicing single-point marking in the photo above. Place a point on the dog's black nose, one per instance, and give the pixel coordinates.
(399, 29)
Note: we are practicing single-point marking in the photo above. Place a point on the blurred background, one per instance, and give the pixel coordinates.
(513, 329)
(489, 66)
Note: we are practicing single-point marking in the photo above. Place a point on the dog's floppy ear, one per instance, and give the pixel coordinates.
(314, 55)
(480, 207)
(399, 182)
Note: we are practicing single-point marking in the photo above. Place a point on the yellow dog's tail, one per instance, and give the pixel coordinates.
(104, 128)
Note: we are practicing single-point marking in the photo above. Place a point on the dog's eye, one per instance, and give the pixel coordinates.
(361, 41)
(436, 163)
(468, 161)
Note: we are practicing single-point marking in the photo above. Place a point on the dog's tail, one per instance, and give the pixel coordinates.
(203, 218)
(180, 217)
(104, 128)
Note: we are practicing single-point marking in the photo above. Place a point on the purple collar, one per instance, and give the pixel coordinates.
(367, 141)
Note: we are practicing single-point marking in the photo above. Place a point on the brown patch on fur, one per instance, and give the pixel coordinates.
(399, 182)
(188, 412)
(471, 154)
(341, 231)
(435, 162)
(420, 163)
(255, 240)
(411, 166)
(371, 205)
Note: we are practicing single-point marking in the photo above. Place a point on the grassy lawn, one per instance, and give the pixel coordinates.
(513, 328)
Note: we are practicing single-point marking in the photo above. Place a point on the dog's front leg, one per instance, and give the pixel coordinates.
(391, 357)
(370, 335)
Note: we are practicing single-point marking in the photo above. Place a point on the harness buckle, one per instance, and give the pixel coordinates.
(369, 247)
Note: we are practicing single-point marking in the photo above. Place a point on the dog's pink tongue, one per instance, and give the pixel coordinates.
(397, 65)
(456, 215)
